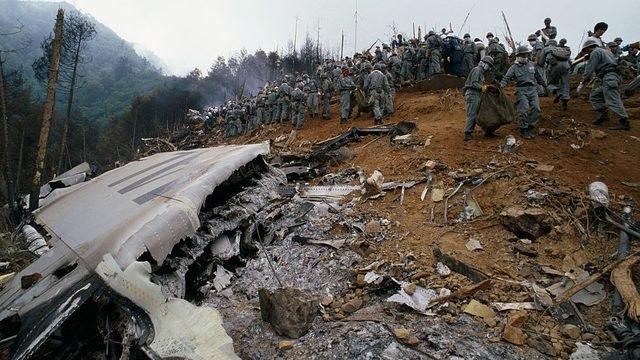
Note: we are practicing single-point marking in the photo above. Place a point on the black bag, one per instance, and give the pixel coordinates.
(495, 110)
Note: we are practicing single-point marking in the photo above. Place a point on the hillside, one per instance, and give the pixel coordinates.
(399, 235)
(113, 77)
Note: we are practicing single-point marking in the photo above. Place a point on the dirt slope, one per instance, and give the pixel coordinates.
(578, 152)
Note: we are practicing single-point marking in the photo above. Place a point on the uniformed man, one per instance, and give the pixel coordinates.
(606, 94)
(272, 104)
(326, 87)
(311, 89)
(524, 73)
(345, 86)
(261, 100)
(298, 100)
(499, 55)
(408, 57)
(284, 96)
(377, 86)
(392, 91)
(434, 53)
(536, 53)
(470, 54)
(395, 66)
(613, 47)
(422, 62)
(556, 61)
(473, 89)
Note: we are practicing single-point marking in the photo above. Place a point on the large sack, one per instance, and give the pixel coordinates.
(495, 110)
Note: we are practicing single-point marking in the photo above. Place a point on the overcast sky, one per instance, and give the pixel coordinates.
(192, 33)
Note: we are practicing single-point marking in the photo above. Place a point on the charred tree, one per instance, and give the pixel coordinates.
(6, 159)
(77, 32)
(34, 199)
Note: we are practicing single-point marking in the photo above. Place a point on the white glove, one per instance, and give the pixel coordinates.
(580, 87)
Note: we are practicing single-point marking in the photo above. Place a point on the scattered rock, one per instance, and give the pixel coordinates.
(542, 346)
(437, 195)
(290, 311)
(430, 165)
(528, 223)
(513, 328)
(544, 168)
(285, 345)
(327, 300)
(373, 227)
(442, 269)
(571, 331)
(405, 336)
(351, 306)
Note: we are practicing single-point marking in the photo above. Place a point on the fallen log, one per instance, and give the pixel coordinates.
(621, 278)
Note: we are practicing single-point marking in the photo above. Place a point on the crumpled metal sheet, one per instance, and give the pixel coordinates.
(181, 329)
(150, 204)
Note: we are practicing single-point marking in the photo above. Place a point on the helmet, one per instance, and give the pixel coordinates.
(532, 37)
(431, 32)
(563, 41)
(618, 39)
(466, 36)
(552, 43)
(379, 66)
(523, 49)
(488, 60)
(589, 43)
(367, 65)
(612, 44)
(489, 35)
(547, 20)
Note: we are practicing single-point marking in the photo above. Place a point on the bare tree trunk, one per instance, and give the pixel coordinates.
(6, 159)
(20, 157)
(67, 120)
(34, 199)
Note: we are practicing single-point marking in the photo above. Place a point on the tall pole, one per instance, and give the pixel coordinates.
(318, 43)
(355, 34)
(295, 41)
(342, 46)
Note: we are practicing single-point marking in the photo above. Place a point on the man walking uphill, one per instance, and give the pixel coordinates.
(606, 94)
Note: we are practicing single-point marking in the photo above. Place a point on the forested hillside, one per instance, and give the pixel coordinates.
(110, 78)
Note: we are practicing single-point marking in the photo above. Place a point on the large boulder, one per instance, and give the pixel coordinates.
(529, 223)
(290, 311)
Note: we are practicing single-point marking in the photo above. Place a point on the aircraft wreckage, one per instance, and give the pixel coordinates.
(98, 233)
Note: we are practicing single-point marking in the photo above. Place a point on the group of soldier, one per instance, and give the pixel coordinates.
(369, 80)
(544, 68)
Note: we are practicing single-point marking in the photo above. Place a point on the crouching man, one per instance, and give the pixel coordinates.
(473, 88)
(524, 73)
